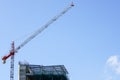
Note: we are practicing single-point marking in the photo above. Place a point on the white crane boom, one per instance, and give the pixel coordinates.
(43, 27)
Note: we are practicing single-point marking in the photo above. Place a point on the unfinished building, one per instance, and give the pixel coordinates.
(40, 72)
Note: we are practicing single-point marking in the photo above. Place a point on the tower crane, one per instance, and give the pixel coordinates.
(15, 50)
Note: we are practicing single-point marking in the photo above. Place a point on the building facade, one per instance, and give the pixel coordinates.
(40, 72)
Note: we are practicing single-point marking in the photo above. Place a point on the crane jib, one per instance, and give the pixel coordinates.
(43, 27)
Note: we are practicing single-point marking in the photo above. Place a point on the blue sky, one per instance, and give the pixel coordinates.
(86, 39)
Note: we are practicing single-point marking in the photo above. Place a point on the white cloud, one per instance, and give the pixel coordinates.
(118, 69)
(114, 63)
(112, 68)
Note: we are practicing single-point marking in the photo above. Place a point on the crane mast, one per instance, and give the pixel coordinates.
(12, 61)
(15, 50)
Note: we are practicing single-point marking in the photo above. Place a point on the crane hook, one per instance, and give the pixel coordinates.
(3, 61)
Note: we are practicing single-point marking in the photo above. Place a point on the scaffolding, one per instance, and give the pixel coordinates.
(40, 72)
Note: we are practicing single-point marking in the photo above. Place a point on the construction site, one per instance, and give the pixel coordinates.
(37, 71)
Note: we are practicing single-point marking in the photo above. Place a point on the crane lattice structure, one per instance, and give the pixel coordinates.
(15, 50)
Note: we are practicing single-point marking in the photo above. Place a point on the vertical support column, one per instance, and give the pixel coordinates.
(12, 52)
(22, 72)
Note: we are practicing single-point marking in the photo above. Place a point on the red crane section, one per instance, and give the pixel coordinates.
(12, 52)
